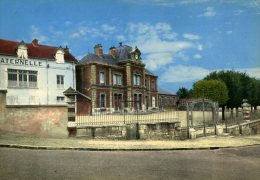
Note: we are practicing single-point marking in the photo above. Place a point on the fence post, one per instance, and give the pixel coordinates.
(188, 120)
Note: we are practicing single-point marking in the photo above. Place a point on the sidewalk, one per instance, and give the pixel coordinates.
(210, 142)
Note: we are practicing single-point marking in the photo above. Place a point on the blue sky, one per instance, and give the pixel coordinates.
(181, 41)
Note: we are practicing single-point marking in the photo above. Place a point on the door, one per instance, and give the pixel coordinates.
(118, 98)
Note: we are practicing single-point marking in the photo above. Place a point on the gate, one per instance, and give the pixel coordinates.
(202, 115)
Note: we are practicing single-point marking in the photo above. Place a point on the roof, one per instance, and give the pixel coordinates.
(107, 59)
(149, 72)
(71, 91)
(164, 92)
(122, 53)
(36, 51)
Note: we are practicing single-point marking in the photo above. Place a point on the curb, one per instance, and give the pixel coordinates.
(120, 149)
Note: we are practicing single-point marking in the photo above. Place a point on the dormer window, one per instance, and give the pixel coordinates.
(22, 50)
(59, 56)
(135, 54)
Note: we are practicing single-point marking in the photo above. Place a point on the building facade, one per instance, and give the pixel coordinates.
(35, 74)
(167, 100)
(115, 81)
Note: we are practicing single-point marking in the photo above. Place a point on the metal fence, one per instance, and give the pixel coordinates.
(120, 118)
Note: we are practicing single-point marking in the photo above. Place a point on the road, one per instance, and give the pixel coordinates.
(235, 163)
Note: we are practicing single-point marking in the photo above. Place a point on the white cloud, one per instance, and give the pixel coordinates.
(155, 61)
(209, 12)
(157, 50)
(229, 32)
(35, 33)
(180, 73)
(191, 36)
(238, 12)
(164, 46)
(79, 33)
(108, 29)
(197, 56)
(187, 2)
(200, 47)
(120, 37)
(54, 32)
(253, 72)
(167, 3)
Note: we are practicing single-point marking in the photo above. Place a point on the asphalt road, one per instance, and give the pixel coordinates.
(237, 163)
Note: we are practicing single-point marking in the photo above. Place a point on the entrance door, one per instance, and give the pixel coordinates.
(118, 98)
(137, 101)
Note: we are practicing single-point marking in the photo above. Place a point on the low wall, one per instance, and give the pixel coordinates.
(36, 120)
(160, 130)
(247, 128)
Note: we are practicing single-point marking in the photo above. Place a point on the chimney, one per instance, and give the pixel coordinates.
(66, 49)
(112, 51)
(35, 43)
(98, 50)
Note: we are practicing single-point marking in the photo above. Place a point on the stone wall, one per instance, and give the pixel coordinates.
(44, 121)
(144, 131)
(247, 128)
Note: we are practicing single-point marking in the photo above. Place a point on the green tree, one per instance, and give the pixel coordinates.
(215, 90)
(183, 93)
(240, 86)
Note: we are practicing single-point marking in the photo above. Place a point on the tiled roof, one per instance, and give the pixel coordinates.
(161, 91)
(122, 53)
(107, 59)
(38, 51)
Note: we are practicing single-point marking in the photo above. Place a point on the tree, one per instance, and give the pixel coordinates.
(183, 93)
(216, 90)
(240, 86)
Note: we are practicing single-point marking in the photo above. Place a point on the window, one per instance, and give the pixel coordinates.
(117, 79)
(137, 79)
(32, 79)
(59, 56)
(102, 100)
(22, 78)
(60, 99)
(60, 81)
(153, 85)
(146, 83)
(22, 51)
(102, 77)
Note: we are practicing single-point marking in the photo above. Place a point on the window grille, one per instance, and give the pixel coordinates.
(22, 78)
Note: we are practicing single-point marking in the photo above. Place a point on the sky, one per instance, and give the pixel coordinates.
(181, 40)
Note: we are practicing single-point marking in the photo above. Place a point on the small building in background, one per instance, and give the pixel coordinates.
(166, 100)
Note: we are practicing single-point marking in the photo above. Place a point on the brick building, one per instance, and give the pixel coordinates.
(166, 100)
(115, 81)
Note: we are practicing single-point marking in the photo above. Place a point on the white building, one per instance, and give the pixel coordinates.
(35, 74)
